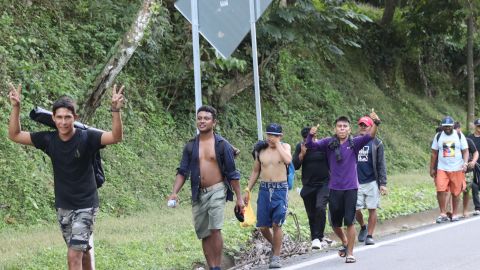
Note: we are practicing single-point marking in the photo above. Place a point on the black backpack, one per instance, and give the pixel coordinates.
(43, 116)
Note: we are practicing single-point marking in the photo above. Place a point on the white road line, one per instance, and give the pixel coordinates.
(383, 243)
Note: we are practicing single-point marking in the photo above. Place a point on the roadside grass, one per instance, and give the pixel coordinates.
(163, 238)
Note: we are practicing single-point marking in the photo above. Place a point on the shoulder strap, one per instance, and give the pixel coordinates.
(190, 147)
(438, 136)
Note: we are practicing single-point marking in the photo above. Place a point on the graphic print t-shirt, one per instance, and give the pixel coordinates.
(449, 149)
(365, 164)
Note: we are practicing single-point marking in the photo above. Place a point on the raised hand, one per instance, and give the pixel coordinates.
(374, 116)
(117, 97)
(15, 94)
(313, 130)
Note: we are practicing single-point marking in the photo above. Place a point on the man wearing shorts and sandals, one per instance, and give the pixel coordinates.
(451, 150)
(271, 160)
(71, 151)
(342, 152)
(372, 177)
(209, 161)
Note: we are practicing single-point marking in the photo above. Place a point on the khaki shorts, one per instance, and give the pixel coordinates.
(453, 182)
(209, 211)
(77, 227)
(368, 196)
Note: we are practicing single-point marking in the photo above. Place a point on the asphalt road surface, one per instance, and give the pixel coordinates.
(437, 247)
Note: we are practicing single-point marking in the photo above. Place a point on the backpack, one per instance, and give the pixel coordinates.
(259, 146)
(96, 161)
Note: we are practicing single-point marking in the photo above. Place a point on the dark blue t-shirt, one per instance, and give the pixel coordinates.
(365, 164)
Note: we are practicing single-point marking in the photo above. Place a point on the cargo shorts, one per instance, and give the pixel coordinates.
(77, 227)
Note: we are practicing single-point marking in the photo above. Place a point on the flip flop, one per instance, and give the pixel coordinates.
(350, 259)
(342, 251)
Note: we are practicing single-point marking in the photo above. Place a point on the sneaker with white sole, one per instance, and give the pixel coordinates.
(316, 244)
(275, 262)
(442, 219)
(476, 212)
(369, 241)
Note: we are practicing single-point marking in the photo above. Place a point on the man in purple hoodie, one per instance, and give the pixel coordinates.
(342, 151)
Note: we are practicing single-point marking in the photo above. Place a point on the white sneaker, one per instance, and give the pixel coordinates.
(476, 212)
(316, 244)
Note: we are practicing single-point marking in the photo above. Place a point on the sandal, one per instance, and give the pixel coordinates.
(342, 251)
(350, 259)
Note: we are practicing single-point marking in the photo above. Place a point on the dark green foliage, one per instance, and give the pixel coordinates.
(58, 47)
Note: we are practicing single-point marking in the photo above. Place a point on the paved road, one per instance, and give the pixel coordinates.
(436, 247)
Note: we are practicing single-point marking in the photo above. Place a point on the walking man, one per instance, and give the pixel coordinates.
(71, 151)
(208, 160)
(342, 152)
(372, 177)
(451, 150)
(315, 190)
(475, 137)
(472, 160)
(270, 165)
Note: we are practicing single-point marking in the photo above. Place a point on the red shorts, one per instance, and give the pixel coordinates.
(453, 182)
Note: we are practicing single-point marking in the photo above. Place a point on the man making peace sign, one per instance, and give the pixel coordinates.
(71, 151)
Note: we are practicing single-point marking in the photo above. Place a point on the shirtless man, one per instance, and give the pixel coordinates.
(271, 167)
(203, 159)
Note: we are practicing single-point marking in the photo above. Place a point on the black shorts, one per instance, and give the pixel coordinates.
(342, 207)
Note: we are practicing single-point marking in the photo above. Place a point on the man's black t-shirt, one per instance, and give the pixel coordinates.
(75, 186)
(314, 166)
(476, 141)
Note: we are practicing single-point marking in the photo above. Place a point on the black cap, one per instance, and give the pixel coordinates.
(477, 122)
(274, 129)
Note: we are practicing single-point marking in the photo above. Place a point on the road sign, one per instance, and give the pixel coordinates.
(223, 23)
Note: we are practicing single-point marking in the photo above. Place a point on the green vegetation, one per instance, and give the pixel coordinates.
(320, 59)
(150, 240)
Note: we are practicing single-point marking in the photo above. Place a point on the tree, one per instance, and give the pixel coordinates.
(388, 12)
(123, 50)
(470, 72)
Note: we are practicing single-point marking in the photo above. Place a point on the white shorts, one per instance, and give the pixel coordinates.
(368, 196)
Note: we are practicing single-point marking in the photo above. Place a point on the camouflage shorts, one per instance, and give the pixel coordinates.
(77, 227)
(468, 180)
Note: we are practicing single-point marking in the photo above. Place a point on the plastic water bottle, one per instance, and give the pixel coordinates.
(172, 203)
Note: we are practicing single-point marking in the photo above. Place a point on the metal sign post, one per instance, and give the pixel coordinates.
(256, 77)
(224, 24)
(196, 55)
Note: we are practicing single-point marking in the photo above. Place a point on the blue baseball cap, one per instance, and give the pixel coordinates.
(274, 129)
(477, 122)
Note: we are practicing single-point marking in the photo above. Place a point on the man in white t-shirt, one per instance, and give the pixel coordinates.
(450, 149)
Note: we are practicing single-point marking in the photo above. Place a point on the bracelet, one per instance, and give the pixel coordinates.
(114, 110)
(377, 122)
